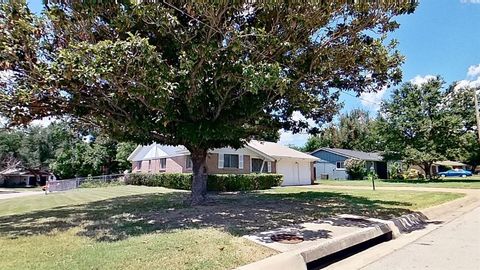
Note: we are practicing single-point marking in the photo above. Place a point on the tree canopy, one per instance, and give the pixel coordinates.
(355, 130)
(61, 149)
(418, 125)
(201, 74)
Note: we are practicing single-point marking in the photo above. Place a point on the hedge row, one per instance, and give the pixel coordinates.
(168, 180)
(216, 182)
(243, 182)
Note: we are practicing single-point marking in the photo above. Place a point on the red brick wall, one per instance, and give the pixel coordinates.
(178, 165)
(212, 165)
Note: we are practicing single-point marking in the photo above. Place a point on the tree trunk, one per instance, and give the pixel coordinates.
(199, 181)
(427, 166)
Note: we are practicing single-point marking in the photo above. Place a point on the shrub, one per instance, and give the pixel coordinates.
(355, 169)
(215, 182)
(413, 174)
(97, 184)
(168, 180)
(395, 170)
(243, 182)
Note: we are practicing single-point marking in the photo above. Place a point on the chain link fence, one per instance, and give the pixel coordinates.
(68, 184)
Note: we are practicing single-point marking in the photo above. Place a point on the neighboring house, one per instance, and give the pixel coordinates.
(331, 163)
(25, 177)
(442, 166)
(256, 156)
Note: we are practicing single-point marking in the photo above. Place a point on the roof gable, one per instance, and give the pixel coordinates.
(352, 154)
(157, 151)
(277, 150)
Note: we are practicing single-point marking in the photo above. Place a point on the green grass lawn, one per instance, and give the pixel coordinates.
(448, 182)
(131, 227)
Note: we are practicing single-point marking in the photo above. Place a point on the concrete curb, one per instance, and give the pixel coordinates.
(283, 261)
(335, 245)
(297, 259)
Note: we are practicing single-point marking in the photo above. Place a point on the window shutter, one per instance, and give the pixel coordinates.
(269, 166)
(220, 161)
(240, 161)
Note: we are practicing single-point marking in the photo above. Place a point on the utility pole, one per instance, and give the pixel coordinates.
(477, 115)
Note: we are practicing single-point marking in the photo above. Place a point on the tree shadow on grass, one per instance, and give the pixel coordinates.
(239, 214)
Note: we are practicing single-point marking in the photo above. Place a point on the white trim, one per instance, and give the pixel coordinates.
(221, 160)
(340, 169)
(134, 153)
(240, 161)
(269, 166)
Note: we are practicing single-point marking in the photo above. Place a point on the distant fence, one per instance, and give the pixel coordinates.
(67, 184)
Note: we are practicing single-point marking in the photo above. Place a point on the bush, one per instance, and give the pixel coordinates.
(97, 184)
(355, 169)
(243, 182)
(215, 182)
(168, 180)
(395, 170)
(413, 174)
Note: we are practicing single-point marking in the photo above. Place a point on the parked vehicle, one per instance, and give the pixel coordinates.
(455, 172)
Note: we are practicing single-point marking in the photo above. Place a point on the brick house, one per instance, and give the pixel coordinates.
(256, 156)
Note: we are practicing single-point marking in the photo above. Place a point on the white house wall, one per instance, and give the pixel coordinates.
(294, 171)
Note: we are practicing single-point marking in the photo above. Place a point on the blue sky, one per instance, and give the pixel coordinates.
(441, 38)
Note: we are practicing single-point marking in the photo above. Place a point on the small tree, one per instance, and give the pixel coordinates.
(124, 149)
(355, 169)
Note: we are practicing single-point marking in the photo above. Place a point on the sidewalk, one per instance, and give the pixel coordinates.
(5, 193)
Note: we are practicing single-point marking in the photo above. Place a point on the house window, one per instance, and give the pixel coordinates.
(149, 165)
(230, 161)
(189, 163)
(163, 163)
(340, 165)
(139, 165)
(257, 165)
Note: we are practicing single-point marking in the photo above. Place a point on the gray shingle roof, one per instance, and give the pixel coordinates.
(156, 151)
(352, 154)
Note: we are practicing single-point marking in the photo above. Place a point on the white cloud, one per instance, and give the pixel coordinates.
(474, 71)
(45, 121)
(373, 100)
(467, 84)
(470, 1)
(298, 139)
(474, 74)
(288, 138)
(296, 116)
(419, 80)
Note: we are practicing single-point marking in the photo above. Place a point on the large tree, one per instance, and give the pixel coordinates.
(418, 125)
(203, 75)
(355, 130)
(460, 100)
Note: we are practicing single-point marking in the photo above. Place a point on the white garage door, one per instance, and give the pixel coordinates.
(295, 172)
